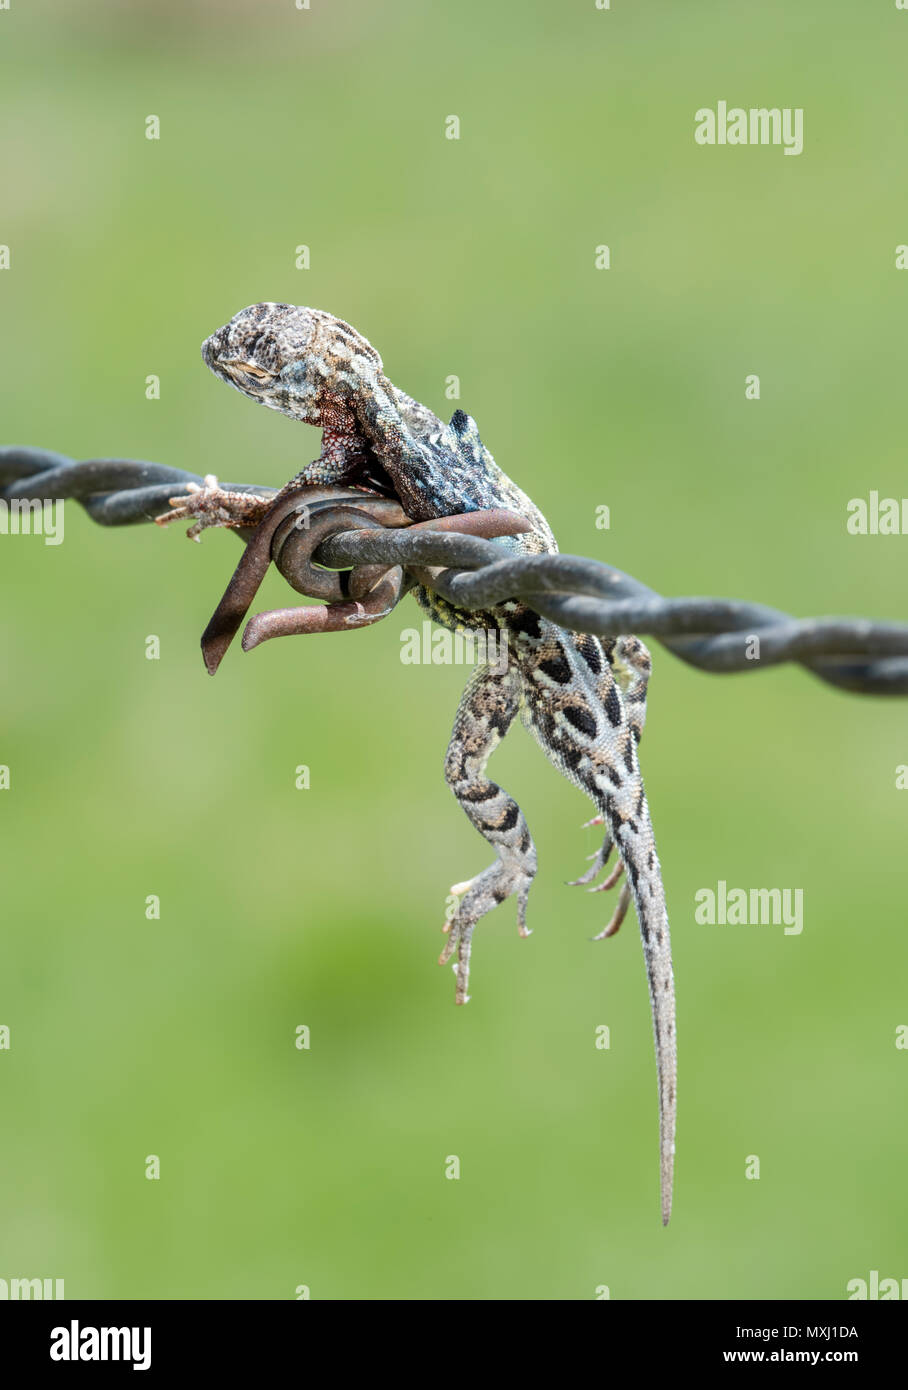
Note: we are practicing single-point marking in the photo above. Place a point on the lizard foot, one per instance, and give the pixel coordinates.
(621, 906)
(599, 861)
(210, 505)
(481, 894)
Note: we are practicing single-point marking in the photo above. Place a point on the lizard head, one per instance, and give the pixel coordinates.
(302, 362)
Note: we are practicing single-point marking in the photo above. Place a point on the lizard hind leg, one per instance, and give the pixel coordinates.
(575, 708)
(486, 711)
(627, 660)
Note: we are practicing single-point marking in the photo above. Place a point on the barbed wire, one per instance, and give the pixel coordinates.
(384, 554)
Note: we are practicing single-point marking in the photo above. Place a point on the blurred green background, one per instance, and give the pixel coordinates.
(283, 1167)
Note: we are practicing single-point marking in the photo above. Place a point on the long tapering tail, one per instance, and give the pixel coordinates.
(636, 845)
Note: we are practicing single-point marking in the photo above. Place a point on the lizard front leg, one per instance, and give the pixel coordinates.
(486, 711)
(212, 505)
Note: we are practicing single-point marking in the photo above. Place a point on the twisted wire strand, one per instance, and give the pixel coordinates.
(713, 634)
(114, 492)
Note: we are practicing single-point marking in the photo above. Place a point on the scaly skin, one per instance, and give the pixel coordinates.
(582, 699)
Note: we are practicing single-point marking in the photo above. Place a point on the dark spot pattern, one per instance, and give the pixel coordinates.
(590, 651)
(557, 669)
(581, 719)
(572, 756)
(481, 791)
(528, 623)
(613, 706)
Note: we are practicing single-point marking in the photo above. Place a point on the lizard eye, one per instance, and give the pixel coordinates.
(258, 373)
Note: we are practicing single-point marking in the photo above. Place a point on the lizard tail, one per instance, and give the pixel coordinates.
(574, 708)
(636, 845)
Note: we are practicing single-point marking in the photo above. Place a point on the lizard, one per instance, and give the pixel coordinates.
(582, 698)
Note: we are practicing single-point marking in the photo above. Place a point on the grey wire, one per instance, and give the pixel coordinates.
(713, 634)
(597, 598)
(114, 492)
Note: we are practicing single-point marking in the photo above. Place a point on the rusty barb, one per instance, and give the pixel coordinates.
(296, 532)
(359, 554)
